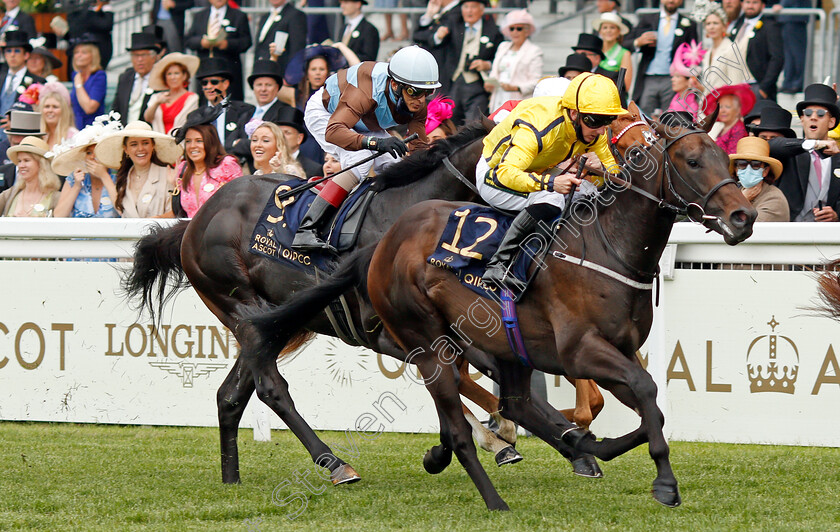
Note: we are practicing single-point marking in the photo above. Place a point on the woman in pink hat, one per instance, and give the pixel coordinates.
(518, 64)
(683, 82)
(438, 119)
(735, 101)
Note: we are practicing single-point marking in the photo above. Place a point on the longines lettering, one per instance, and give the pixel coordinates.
(185, 341)
(24, 337)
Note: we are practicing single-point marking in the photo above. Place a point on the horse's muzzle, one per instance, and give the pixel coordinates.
(738, 227)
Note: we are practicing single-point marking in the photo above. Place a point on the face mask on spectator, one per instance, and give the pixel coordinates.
(750, 177)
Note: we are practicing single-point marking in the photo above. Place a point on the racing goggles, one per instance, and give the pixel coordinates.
(597, 121)
(414, 92)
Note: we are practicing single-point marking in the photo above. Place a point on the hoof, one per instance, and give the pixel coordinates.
(437, 459)
(344, 475)
(508, 455)
(587, 466)
(501, 506)
(667, 495)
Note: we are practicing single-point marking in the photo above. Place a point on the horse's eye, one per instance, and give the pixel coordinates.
(693, 163)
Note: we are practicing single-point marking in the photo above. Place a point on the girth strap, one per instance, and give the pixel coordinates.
(602, 270)
(511, 322)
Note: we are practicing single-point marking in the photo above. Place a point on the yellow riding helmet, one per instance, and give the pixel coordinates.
(593, 94)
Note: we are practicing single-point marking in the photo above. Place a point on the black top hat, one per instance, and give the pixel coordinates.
(213, 66)
(485, 2)
(819, 94)
(157, 31)
(577, 62)
(143, 41)
(364, 2)
(292, 117)
(591, 43)
(759, 106)
(206, 114)
(264, 68)
(774, 118)
(46, 40)
(17, 39)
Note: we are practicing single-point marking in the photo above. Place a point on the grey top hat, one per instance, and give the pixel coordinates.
(25, 123)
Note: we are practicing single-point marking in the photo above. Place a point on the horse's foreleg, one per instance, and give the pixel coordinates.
(273, 390)
(632, 385)
(231, 400)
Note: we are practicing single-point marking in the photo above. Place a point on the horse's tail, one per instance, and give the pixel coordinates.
(157, 274)
(278, 326)
(829, 291)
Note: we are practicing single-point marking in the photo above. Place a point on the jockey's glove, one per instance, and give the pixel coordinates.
(392, 145)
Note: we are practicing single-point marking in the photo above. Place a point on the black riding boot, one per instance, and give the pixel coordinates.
(500, 264)
(307, 238)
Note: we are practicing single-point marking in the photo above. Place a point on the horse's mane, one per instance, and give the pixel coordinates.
(421, 162)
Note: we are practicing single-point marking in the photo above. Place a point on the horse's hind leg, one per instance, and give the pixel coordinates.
(588, 403)
(486, 400)
(231, 399)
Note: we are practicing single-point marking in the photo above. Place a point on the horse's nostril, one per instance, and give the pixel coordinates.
(739, 218)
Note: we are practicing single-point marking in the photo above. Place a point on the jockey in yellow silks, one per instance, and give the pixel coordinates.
(514, 172)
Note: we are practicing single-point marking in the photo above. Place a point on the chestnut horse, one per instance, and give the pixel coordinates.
(584, 322)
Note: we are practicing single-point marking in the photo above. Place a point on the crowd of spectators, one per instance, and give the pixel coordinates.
(170, 145)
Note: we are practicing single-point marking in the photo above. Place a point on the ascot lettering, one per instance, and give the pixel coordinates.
(24, 337)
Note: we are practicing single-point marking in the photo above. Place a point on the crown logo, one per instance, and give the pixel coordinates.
(772, 362)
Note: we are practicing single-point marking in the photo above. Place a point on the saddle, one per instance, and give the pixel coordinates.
(276, 227)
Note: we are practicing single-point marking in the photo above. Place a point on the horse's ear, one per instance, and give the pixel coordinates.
(634, 109)
(486, 122)
(707, 123)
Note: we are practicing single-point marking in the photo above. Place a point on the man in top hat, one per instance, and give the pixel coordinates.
(754, 116)
(160, 38)
(470, 42)
(290, 120)
(358, 34)
(14, 76)
(765, 50)
(21, 124)
(774, 122)
(133, 91)
(169, 16)
(222, 31)
(214, 77)
(265, 81)
(92, 19)
(811, 176)
(658, 36)
(283, 18)
(576, 64)
(16, 19)
(591, 47)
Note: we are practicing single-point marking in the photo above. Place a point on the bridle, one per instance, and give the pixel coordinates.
(696, 212)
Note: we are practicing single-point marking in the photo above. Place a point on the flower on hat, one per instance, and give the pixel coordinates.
(252, 126)
(102, 126)
(438, 110)
(37, 41)
(686, 57)
(704, 8)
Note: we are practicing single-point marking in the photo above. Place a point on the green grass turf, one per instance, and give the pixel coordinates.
(93, 477)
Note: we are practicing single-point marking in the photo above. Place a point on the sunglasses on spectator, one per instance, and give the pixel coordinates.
(820, 112)
(756, 165)
(517, 28)
(597, 121)
(13, 50)
(213, 82)
(414, 92)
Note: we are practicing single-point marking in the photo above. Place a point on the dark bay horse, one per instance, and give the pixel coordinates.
(212, 250)
(575, 320)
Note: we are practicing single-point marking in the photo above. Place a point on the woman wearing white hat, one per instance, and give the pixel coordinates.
(35, 192)
(611, 29)
(518, 63)
(143, 160)
(89, 189)
(169, 109)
